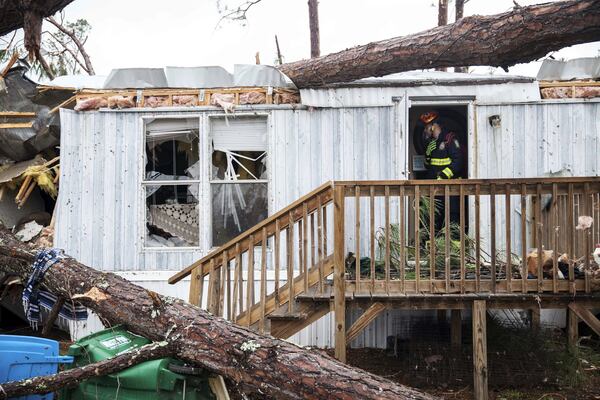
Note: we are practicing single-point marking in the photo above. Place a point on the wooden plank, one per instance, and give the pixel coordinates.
(586, 316)
(277, 255)
(305, 245)
(212, 293)
(313, 242)
(372, 232)
(572, 330)
(9, 64)
(222, 282)
(325, 231)
(229, 291)
(16, 125)
(447, 239)
(432, 246)
(493, 235)
(536, 319)
(250, 280)
(284, 330)
(236, 286)
(555, 227)
(16, 114)
(508, 212)
(387, 239)
(263, 280)
(195, 296)
(416, 205)
(539, 235)
(462, 239)
(480, 367)
(290, 263)
(477, 237)
(571, 237)
(364, 320)
(238, 261)
(357, 236)
(320, 241)
(402, 228)
(524, 272)
(455, 328)
(218, 387)
(339, 270)
(586, 233)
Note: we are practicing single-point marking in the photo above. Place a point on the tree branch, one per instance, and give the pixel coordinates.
(51, 383)
(89, 68)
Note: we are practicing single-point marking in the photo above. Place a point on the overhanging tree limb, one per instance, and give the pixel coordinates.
(257, 364)
(521, 35)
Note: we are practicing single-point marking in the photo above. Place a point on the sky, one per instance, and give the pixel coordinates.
(158, 33)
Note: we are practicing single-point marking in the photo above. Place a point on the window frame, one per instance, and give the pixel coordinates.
(143, 183)
(208, 175)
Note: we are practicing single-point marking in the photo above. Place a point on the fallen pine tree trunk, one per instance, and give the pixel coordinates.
(261, 365)
(52, 383)
(518, 36)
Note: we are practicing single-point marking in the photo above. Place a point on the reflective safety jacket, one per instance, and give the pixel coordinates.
(443, 157)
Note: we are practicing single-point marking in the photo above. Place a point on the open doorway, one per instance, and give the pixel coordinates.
(453, 118)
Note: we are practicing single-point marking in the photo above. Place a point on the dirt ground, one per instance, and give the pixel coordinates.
(381, 363)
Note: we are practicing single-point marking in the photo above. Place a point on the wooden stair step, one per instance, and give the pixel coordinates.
(288, 316)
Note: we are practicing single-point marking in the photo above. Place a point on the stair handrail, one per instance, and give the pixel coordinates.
(242, 238)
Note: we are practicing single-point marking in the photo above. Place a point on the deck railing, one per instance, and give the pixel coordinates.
(391, 238)
(406, 240)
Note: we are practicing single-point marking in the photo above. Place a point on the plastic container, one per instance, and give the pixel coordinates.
(149, 380)
(23, 357)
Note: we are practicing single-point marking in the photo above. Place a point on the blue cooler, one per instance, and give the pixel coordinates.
(23, 357)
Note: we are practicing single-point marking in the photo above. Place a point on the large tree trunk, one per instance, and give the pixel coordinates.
(442, 19)
(261, 365)
(459, 11)
(313, 18)
(521, 35)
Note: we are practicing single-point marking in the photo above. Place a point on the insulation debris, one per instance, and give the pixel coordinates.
(156, 101)
(92, 103)
(285, 96)
(253, 98)
(121, 102)
(569, 92)
(224, 100)
(185, 100)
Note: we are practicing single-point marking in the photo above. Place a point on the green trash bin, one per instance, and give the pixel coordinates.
(150, 380)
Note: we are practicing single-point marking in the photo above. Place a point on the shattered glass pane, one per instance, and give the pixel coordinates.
(169, 155)
(172, 213)
(236, 207)
(237, 165)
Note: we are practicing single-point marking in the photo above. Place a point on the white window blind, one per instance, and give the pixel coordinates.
(247, 134)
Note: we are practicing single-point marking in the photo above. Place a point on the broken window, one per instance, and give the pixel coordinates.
(238, 175)
(171, 183)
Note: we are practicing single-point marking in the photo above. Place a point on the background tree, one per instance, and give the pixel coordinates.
(62, 48)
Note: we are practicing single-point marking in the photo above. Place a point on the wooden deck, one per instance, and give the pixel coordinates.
(478, 260)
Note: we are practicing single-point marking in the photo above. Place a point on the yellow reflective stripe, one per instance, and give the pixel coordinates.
(448, 172)
(440, 162)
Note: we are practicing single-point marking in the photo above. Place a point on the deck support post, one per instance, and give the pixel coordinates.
(455, 329)
(339, 290)
(442, 317)
(572, 330)
(535, 319)
(480, 368)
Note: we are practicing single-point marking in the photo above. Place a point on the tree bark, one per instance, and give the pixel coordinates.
(72, 377)
(521, 35)
(442, 20)
(459, 8)
(262, 365)
(313, 17)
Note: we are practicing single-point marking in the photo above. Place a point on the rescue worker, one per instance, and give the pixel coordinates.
(443, 157)
(444, 160)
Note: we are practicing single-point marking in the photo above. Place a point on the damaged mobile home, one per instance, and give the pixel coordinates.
(187, 162)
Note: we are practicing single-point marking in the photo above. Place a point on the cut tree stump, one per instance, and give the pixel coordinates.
(255, 364)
